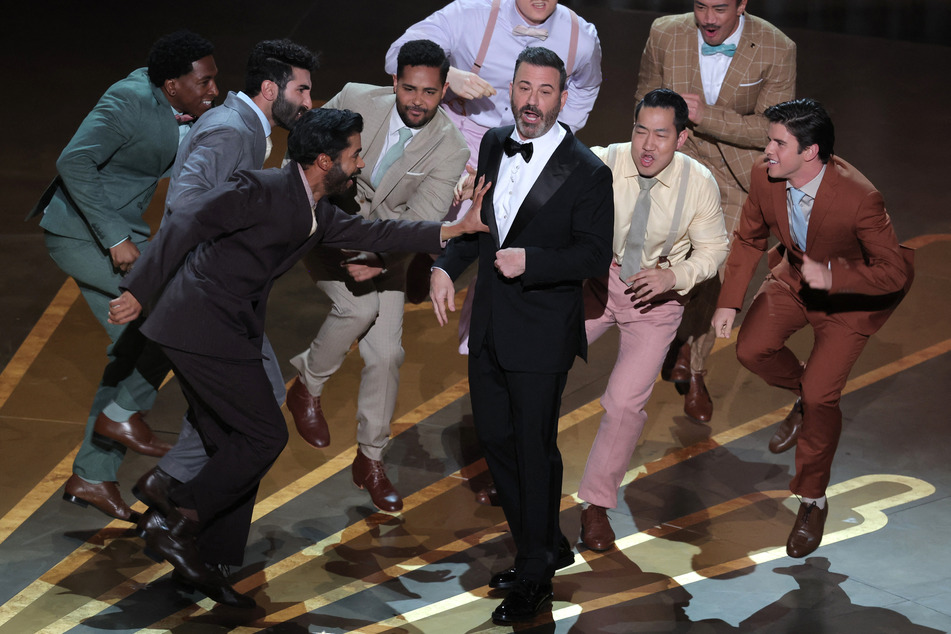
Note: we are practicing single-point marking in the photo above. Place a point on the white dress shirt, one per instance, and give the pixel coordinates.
(516, 177)
(713, 68)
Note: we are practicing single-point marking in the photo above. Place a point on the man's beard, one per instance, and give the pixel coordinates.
(337, 181)
(533, 131)
(284, 112)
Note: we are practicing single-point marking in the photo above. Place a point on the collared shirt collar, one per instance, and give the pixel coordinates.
(811, 188)
(264, 122)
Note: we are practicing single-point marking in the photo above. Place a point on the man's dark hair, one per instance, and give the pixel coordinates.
(666, 98)
(808, 121)
(422, 53)
(275, 60)
(541, 56)
(322, 131)
(172, 55)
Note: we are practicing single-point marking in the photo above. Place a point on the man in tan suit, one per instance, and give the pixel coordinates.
(729, 66)
(414, 155)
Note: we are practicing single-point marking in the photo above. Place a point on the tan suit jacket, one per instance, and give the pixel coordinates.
(761, 74)
(418, 186)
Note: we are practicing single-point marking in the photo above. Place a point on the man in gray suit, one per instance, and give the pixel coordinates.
(414, 155)
(95, 232)
(234, 136)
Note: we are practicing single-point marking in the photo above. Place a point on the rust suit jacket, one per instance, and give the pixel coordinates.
(848, 227)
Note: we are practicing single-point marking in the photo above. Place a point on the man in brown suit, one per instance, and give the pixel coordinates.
(729, 66)
(837, 267)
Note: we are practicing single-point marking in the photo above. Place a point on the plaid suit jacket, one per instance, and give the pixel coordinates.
(761, 74)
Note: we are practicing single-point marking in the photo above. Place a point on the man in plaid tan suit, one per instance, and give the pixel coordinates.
(729, 66)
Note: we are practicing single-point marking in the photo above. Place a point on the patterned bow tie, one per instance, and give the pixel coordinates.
(723, 49)
(511, 147)
(184, 118)
(531, 31)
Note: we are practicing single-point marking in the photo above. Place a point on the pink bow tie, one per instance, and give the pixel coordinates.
(184, 118)
(531, 31)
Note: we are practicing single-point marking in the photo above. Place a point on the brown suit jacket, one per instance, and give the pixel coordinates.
(848, 227)
(761, 74)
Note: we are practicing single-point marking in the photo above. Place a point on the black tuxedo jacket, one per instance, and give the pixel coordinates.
(207, 274)
(565, 226)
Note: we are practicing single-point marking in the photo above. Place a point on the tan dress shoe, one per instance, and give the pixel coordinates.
(697, 403)
(104, 496)
(807, 531)
(596, 532)
(134, 434)
(788, 433)
(308, 416)
(370, 475)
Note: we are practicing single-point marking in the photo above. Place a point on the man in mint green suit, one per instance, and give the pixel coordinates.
(95, 231)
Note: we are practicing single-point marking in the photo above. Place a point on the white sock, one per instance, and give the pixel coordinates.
(820, 502)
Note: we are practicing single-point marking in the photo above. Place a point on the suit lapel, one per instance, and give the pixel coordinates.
(824, 202)
(739, 66)
(250, 119)
(491, 174)
(553, 175)
(373, 147)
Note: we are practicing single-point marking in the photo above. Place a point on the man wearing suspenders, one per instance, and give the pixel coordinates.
(665, 204)
(483, 38)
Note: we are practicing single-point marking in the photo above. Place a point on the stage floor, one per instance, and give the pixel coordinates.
(705, 509)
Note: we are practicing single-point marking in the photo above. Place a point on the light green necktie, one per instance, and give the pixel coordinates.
(391, 155)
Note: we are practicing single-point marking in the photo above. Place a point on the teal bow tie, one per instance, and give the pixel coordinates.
(725, 49)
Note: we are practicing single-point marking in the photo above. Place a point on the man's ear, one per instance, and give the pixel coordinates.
(811, 152)
(269, 90)
(395, 82)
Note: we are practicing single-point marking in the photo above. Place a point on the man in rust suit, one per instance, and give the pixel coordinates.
(837, 268)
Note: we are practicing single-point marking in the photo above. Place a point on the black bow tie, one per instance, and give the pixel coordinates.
(511, 147)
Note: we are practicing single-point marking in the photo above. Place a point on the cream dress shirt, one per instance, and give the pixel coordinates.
(701, 225)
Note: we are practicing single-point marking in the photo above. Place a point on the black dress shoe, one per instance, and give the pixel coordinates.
(524, 602)
(152, 489)
(174, 539)
(509, 578)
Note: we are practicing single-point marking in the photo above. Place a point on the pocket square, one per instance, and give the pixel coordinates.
(752, 83)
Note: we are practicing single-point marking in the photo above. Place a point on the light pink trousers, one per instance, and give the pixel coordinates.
(645, 337)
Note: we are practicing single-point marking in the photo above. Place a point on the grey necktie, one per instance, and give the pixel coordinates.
(636, 234)
(395, 151)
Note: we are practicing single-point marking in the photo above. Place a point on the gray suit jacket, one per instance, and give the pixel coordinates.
(418, 186)
(224, 140)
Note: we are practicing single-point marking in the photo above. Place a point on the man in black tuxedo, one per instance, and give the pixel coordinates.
(206, 279)
(550, 218)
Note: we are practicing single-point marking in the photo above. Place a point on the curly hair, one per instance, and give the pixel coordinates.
(172, 55)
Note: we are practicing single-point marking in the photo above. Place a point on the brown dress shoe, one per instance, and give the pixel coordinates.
(807, 531)
(308, 417)
(152, 489)
(788, 433)
(104, 496)
(596, 532)
(370, 475)
(134, 434)
(680, 373)
(488, 496)
(697, 402)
